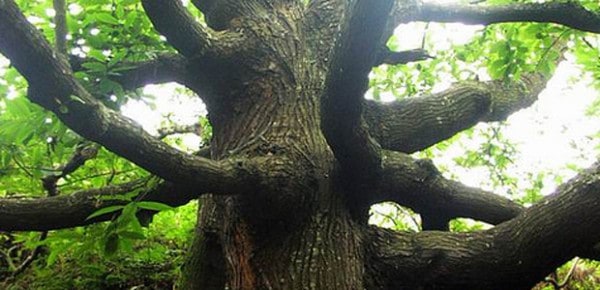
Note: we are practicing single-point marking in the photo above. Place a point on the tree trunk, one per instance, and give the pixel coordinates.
(294, 231)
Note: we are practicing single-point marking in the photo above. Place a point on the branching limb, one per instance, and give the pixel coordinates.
(52, 85)
(419, 185)
(67, 211)
(414, 124)
(513, 255)
(569, 13)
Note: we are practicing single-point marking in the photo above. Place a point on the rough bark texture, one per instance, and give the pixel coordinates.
(298, 156)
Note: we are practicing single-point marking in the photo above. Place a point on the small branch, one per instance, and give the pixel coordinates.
(556, 284)
(83, 153)
(387, 56)
(178, 129)
(570, 14)
(111, 174)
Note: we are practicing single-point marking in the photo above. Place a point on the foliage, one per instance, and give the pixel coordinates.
(76, 258)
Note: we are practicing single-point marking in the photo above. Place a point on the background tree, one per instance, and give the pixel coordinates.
(297, 155)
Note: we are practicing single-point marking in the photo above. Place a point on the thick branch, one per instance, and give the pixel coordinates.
(172, 20)
(569, 13)
(420, 186)
(513, 255)
(52, 85)
(414, 124)
(67, 211)
(347, 82)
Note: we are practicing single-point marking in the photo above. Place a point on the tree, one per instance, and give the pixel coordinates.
(297, 154)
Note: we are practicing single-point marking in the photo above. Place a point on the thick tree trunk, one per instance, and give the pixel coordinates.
(297, 234)
(294, 231)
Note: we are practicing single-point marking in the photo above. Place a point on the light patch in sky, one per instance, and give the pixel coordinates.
(169, 104)
(549, 135)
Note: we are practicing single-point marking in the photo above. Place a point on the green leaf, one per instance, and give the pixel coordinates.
(111, 244)
(129, 2)
(128, 215)
(97, 54)
(105, 210)
(152, 205)
(107, 18)
(94, 66)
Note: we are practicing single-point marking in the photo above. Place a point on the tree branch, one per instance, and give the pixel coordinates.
(414, 124)
(179, 129)
(419, 185)
(346, 84)
(67, 211)
(513, 255)
(173, 21)
(569, 13)
(52, 85)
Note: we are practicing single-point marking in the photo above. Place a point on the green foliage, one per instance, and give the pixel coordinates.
(77, 258)
(107, 37)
